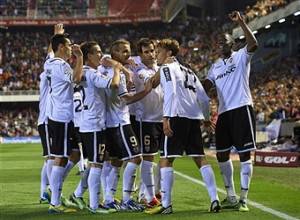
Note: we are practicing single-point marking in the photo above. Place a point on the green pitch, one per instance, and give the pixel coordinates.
(20, 164)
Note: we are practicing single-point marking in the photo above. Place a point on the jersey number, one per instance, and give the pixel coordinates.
(188, 73)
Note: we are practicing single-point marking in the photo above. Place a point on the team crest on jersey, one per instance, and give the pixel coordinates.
(105, 73)
(230, 60)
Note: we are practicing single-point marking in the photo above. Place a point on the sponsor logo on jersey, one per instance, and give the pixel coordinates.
(229, 70)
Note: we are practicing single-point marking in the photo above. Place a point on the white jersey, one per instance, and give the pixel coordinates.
(117, 112)
(184, 95)
(77, 99)
(231, 78)
(93, 114)
(137, 59)
(60, 77)
(150, 108)
(44, 90)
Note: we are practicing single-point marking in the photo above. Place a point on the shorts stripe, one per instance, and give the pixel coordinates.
(95, 147)
(166, 147)
(47, 139)
(125, 142)
(251, 126)
(141, 136)
(224, 150)
(66, 140)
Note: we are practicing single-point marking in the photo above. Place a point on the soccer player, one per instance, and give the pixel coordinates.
(185, 103)
(236, 122)
(149, 113)
(59, 110)
(92, 125)
(122, 143)
(43, 126)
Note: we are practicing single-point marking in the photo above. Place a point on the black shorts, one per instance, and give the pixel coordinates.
(134, 124)
(76, 139)
(93, 144)
(186, 138)
(45, 139)
(60, 138)
(151, 136)
(122, 143)
(236, 128)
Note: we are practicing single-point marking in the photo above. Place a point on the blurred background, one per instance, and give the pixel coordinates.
(26, 27)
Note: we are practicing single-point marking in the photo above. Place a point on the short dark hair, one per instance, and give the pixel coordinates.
(116, 44)
(169, 44)
(58, 39)
(86, 48)
(144, 42)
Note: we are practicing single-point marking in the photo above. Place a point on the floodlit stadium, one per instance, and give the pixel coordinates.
(149, 109)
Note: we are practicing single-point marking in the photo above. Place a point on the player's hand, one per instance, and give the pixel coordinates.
(235, 16)
(131, 64)
(167, 127)
(129, 83)
(209, 125)
(76, 51)
(59, 28)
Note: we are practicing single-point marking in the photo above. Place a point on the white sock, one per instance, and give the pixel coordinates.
(157, 179)
(128, 180)
(142, 191)
(44, 179)
(210, 182)
(167, 179)
(56, 180)
(83, 184)
(104, 174)
(112, 184)
(246, 174)
(68, 168)
(148, 179)
(50, 164)
(80, 165)
(94, 186)
(227, 174)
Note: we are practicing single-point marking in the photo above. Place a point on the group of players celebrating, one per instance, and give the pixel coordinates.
(117, 110)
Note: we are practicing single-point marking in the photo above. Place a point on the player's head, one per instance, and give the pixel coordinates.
(225, 43)
(92, 53)
(166, 48)
(146, 50)
(61, 45)
(120, 50)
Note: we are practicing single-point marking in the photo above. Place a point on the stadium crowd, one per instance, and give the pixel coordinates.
(15, 123)
(263, 7)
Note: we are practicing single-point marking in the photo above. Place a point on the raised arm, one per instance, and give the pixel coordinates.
(77, 71)
(58, 29)
(252, 43)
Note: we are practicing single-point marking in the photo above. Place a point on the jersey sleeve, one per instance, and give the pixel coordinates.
(100, 80)
(168, 84)
(245, 55)
(122, 87)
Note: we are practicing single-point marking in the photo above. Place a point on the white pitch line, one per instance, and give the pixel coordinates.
(254, 204)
